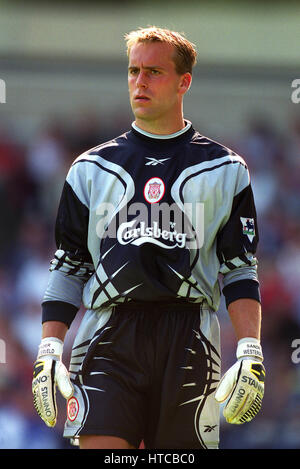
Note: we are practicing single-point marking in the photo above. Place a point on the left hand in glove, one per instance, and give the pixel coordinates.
(243, 383)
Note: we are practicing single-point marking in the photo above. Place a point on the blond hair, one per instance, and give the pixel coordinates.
(185, 52)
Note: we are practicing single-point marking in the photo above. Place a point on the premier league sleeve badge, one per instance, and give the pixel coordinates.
(248, 227)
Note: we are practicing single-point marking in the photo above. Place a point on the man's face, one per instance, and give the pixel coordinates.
(155, 88)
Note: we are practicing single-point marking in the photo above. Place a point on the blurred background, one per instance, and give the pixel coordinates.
(64, 68)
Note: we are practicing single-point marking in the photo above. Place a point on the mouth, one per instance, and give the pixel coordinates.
(141, 98)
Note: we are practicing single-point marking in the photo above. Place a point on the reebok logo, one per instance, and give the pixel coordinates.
(154, 161)
(209, 428)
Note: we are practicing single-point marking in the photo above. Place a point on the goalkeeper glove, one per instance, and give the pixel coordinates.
(49, 371)
(243, 383)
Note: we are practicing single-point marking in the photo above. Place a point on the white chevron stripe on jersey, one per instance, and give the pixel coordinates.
(109, 173)
(205, 166)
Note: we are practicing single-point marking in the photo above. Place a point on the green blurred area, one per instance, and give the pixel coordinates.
(57, 57)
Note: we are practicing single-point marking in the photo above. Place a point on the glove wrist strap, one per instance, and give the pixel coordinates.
(249, 347)
(50, 346)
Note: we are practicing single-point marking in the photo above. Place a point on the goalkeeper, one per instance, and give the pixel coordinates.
(146, 224)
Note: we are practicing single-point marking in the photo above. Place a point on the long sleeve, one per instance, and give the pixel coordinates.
(72, 265)
(237, 244)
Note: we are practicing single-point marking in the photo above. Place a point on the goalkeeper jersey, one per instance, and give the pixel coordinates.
(153, 218)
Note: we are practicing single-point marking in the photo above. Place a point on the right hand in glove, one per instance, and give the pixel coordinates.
(49, 372)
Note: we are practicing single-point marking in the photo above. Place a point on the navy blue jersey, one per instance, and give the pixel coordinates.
(153, 218)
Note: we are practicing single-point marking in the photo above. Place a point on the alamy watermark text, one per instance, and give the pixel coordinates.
(2, 351)
(2, 91)
(295, 96)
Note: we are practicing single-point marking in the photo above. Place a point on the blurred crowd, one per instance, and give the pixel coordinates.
(31, 178)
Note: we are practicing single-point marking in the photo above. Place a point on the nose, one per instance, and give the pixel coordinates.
(141, 81)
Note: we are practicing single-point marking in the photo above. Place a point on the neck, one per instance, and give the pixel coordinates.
(161, 128)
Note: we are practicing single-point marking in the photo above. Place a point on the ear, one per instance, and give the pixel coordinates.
(185, 83)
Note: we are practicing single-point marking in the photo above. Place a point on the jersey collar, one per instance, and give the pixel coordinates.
(188, 125)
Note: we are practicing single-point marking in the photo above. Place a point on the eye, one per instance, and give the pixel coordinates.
(133, 71)
(155, 72)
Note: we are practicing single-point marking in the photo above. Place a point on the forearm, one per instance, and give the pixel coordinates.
(245, 315)
(54, 329)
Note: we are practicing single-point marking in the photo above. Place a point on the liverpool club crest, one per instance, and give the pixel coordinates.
(72, 408)
(154, 190)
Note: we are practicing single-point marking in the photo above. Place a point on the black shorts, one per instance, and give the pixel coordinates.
(147, 373)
